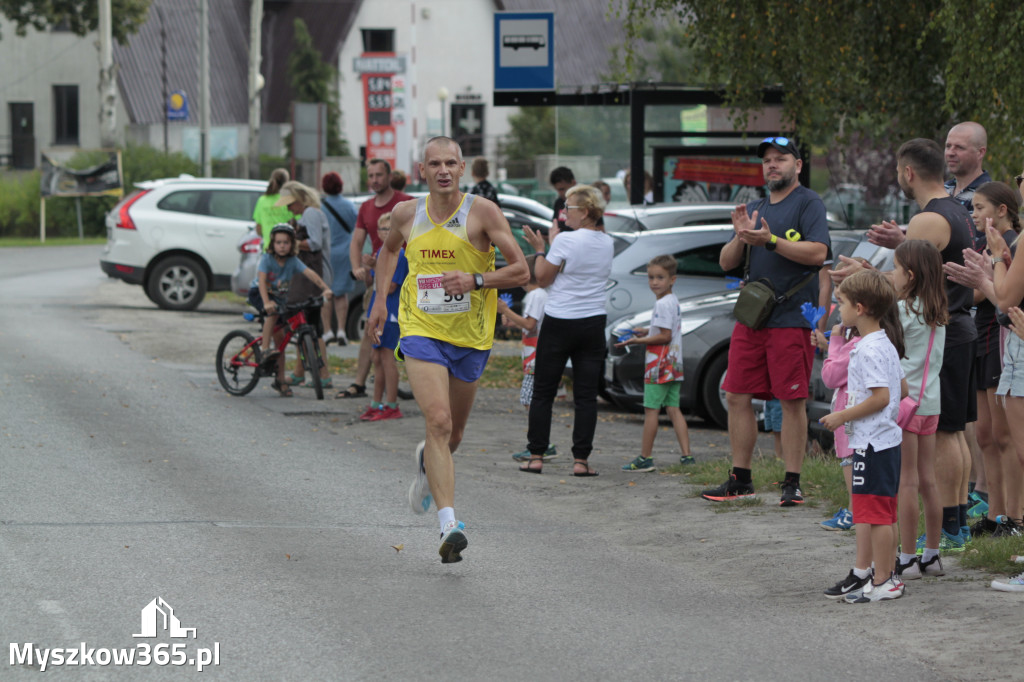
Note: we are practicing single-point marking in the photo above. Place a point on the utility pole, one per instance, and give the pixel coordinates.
(255, 86)
(107, 85)
(204, 87)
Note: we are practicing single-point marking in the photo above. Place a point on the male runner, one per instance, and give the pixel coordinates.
(447, 314)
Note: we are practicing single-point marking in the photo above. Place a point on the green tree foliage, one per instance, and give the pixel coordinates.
(314, 80)
(79, 16)
(532, 133)
(909, 68)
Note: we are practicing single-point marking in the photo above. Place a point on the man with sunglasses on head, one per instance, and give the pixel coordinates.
(785, 237)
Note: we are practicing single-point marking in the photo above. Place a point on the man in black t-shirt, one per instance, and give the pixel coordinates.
(786, 237)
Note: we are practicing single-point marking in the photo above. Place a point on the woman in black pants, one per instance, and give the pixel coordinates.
(575, 271)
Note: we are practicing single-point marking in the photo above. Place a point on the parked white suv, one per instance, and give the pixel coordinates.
(178, 237)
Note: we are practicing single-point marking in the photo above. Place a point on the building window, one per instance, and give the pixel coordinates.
(65, 114)
(378, 39)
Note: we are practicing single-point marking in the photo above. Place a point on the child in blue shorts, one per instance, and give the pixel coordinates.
(663, 364)
(386, 368)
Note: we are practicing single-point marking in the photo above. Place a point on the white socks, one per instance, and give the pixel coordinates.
(445, 515)
(906, 558)
(861, 572)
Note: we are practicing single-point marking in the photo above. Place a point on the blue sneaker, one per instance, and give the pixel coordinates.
(979, 509)
(640, 463)
(965, 533)
(453, 542)
(419, 492)
(843, 520)
(951, 543)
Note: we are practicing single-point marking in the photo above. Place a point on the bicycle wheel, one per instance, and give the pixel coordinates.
(311, 361)
(238, 361)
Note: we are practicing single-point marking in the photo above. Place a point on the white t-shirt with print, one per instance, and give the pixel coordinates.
(873, 364)
(663, 363)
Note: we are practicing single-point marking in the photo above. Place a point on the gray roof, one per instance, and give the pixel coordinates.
(584, 36)
(140, 70)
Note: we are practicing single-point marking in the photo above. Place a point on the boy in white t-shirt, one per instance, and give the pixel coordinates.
(529, 322)
(876, 384)
(663, 364)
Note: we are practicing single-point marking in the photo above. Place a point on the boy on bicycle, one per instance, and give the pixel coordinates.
(269, 291)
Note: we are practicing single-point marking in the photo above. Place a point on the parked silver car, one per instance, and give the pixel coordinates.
(644, 218)
(695, 249)
(706, 324)
(177, 237)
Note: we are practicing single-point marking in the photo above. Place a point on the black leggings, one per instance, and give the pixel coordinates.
(582, 341)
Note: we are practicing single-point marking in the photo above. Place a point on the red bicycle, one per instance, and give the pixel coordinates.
(240, 357)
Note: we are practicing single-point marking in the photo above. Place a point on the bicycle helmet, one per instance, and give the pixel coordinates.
(282, 227)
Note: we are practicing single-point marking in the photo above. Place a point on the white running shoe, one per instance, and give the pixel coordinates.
(1014, 584)
(453, 542)
(893, 588)
(419, 491)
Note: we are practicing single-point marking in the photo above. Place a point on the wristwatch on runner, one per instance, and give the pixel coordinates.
(478, 280)
(772, 243)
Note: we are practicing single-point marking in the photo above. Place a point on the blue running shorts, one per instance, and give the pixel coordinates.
(465, 364)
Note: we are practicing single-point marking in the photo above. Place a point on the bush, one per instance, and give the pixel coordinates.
(19, 191)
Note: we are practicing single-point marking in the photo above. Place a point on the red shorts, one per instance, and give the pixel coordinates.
(770, 363)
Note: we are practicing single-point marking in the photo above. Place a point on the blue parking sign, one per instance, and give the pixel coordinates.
(524, 51)
(177, 106)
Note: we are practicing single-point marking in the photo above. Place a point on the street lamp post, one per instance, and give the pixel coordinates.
(442, 94)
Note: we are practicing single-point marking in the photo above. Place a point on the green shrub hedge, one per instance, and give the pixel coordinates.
(19, 191)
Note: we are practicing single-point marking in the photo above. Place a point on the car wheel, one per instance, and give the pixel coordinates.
(177, 283)
(355, 326)
(712, 395)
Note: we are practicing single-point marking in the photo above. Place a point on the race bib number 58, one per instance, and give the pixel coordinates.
(431, 297)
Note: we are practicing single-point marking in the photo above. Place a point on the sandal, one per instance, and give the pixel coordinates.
(353, 391)
(528, 469)
(293, 380)
(283, 389)
(326, 383)
(588, 471)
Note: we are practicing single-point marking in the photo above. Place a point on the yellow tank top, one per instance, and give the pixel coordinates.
(466, 320)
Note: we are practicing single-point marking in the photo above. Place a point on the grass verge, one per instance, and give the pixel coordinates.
(821, 480)
(9, 242)
(993, 554)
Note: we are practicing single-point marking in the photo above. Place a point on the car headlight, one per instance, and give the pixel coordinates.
(692, 325)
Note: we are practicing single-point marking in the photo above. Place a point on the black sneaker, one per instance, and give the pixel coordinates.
(791, 495)
(851, 583)
(730, 490)
(1006, 527)
(983, 526)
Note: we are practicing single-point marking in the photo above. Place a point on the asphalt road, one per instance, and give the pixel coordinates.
(268, 526)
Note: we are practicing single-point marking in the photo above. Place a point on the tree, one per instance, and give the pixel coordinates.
(80, 16)
(314, 80)
(847, 66)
